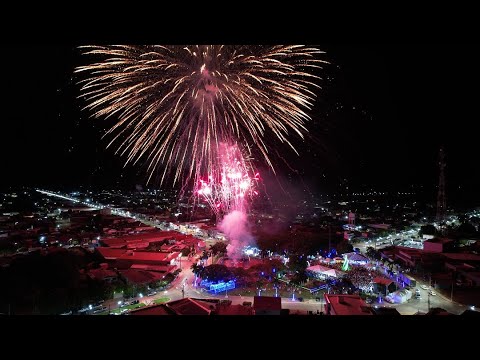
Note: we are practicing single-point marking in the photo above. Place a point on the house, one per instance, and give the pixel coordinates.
(103, 274)
(438, 245)
(192, 306)
(345, 305)
(384, 311)
(187, 306)
(138, 277)
(267, 305)
(229, 309)
(126, 258)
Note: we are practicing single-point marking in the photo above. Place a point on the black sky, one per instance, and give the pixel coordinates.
(382, 114)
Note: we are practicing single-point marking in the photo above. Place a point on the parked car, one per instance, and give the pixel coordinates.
(432, 293)
(424, 287)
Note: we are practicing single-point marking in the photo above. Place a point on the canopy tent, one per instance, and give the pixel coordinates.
(357, 259)
(399, 296)
(319, 270)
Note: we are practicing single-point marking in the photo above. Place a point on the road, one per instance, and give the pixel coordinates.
(421, 305)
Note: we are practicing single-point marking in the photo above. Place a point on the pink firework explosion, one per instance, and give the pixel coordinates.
(230, 186)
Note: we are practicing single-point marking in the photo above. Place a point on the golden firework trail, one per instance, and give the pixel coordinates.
(175, 105)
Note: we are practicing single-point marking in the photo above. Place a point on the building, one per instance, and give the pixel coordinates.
(187, 306)
(345, 305)
(140, 240)
(229, 309)
(126, 258)
(384, 311)
(438, 245)
(383, 285)
(267, 305)
(139, 277)
(103, 274)
(192, 306)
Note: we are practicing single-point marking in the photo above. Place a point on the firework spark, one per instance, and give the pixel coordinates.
(176, 105)
(228, 188)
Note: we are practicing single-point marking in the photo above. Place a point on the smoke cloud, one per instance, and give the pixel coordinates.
(235, 227)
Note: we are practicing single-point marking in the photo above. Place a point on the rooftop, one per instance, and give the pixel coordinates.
(161, 309)
(462, 256)
(150, 236)
(267, 303)
(141, 276)
(101, 273)
(189, 306)
(438, 241)
(382, 280)
(157, 268)
(384, 311)
(122, 254)
(233, 310)
(347, 304)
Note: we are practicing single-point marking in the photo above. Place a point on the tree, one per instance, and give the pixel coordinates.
(242, 277)
(218, 248)
(466, 229)
(197, 269)
(216, 272)
(129, 290)
(297, 263)
(428, 230)
(205, 255)
(344, 247)
(299, 278)
(372, 253)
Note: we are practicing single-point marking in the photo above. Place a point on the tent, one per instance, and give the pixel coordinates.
(323, 271)
(400, 296)
(356, 259)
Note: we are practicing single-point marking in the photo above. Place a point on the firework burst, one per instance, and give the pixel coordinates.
(175, 106)
(230, 186)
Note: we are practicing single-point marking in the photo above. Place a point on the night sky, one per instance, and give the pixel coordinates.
(379, 121)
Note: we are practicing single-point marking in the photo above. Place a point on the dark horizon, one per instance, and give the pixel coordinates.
(379, 120)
